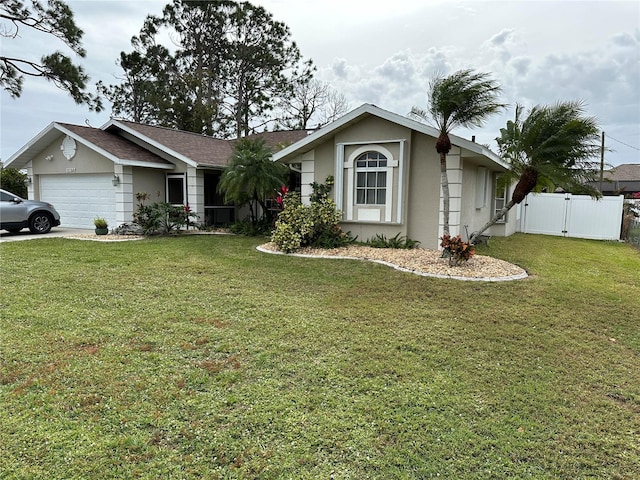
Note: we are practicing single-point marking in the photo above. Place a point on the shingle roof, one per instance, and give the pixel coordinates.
(114, 144)
(201, 149)
(279, 140)
(205, 150)
(628, 172)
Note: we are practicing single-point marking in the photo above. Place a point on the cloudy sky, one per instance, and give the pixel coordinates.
(385, 53)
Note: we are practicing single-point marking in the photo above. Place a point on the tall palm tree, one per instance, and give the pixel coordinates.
(251, 177)
(463, 99)
(555, 146)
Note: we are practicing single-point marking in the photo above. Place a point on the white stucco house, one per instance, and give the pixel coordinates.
(385, 167)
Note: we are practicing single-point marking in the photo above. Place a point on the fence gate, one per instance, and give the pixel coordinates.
(568, 215)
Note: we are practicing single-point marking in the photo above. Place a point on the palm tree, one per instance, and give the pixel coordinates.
(251, 177)
(551, 148)
(464, 99)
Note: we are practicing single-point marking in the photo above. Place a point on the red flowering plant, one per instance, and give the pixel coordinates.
(280, 197)
(456, 250)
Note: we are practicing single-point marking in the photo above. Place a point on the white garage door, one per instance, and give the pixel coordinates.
(80, 198)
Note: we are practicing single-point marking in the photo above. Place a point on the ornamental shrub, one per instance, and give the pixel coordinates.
(381, 241)
(315, 225)
(457, 250)
(162, 217)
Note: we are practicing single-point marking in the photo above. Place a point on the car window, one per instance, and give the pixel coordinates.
(5, 197)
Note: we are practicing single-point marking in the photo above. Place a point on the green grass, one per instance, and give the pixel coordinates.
(199, 357)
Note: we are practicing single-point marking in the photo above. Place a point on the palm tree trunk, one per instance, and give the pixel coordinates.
(524, 187)
(526, 183)
(445, 193)
(493, 221)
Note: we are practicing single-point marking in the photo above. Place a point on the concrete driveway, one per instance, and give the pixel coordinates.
(27, 235)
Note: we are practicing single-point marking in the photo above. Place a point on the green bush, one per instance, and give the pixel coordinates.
(246, 227)
(14, 181)
(380, 241)
(315, 225)
(162, 218)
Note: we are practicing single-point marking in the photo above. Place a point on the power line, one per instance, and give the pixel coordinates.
(625, 144)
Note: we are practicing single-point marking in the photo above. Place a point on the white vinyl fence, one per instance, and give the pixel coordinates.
(570, 215)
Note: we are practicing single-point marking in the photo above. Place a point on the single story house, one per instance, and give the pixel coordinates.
(621, 180)
(385, 167)
(387, 177)
(88, 172)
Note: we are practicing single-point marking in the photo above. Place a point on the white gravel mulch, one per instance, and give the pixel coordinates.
(419, 261)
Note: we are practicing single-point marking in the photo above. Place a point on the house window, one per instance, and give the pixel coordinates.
(371, 179)
(176, 189)
(500, 197)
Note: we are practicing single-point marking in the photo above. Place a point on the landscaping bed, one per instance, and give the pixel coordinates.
(421, 261)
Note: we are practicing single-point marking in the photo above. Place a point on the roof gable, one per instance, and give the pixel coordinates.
(319, 136)
(113, 147)
(191, 148)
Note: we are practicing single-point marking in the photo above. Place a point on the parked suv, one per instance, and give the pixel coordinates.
(17, 213)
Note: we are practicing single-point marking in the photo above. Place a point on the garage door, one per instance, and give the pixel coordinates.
(80, 198)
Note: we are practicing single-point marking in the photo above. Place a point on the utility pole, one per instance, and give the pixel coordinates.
(602, 162)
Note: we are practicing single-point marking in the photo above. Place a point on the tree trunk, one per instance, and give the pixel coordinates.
(524, 187)
(443, 146)
(526, 183)
(445, 193)
(493, 221)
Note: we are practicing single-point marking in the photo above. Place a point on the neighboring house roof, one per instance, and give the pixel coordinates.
(628, 172)
(624, 178)
(319, 136)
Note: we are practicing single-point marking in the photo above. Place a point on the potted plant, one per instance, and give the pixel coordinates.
(102, 227)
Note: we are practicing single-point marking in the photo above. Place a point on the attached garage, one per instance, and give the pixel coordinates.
(88, 172)
(79, 198)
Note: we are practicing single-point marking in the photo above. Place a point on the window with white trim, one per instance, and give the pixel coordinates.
(500, 197)
(371, 179)
(176, 189)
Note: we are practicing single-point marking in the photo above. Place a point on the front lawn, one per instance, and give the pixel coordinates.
(199, 357)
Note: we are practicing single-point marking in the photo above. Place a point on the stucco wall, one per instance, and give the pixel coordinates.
(475, 216)
(324, 161)
(150, 181)
(423, 191)
(477, 197)
(85, 160)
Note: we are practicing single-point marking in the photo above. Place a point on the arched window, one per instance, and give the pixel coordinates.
(371, 179)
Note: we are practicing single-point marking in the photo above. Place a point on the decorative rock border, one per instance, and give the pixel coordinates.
(505, 278)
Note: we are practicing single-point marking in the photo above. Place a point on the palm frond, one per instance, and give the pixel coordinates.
(560, 142)
(463, 99)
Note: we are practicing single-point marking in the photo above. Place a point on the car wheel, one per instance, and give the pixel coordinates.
(40, 223)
